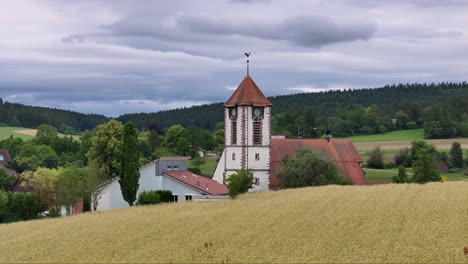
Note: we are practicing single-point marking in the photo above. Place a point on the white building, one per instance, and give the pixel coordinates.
(165, 173)
(247, 119)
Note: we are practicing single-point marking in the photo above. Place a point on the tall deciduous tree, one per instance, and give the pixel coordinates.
(425, 166)
(105, 150)
(456, 155)
(129, 165)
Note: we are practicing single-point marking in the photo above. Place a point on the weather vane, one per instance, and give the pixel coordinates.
(247, 54)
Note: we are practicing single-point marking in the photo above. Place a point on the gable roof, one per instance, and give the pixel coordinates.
(6, 156)
(342, 151)
(198, 182)
(248, 93)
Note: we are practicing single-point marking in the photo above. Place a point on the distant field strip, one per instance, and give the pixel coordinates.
(27, 132)
(405, 223)
(396, 145)
(6, 132)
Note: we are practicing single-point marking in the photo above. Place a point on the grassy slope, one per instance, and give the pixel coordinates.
(5, 132)
(208, 168)
(400, 135)
(351, 224)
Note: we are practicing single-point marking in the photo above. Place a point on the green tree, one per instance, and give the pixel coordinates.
(174, 133)
(6, 180)
(375, 159)
(44, 182)
(154, 140)
(45, 133)
(425, 166)
(106, 147)
(24, 206)
(33, 156)
(309, 168)
(456, 155)
(129, 165)
(401, 177)
(240, 182)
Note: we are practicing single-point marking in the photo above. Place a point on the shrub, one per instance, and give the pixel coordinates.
(401, 177)
(195, 170)
(6, 180)
(366, 130)
(383, 129)
(411, 125)
(240, 182)
(375, 159)
(148, 197)
(389, 165)
(166, 195)
(404, 158)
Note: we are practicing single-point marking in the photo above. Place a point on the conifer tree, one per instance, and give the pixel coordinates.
(129, 169)
(456, 155)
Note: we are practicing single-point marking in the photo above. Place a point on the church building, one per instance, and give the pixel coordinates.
(249, 144)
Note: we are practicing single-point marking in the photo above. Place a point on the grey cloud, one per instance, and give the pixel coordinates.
(74, 39)
(307, 31)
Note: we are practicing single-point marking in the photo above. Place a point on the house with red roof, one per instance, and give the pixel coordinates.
(249, 144)
(165, 173)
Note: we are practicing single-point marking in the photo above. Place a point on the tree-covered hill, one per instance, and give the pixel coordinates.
(389, 99)
(69, 122)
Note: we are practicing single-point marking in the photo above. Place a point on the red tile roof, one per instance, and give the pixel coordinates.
(248, 93)
(342, 151)
(199, 182)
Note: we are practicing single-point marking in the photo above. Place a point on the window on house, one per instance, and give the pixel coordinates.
(233, 156)
(176, 167)
(257, 156)
(169, 168)
(257, 181)
(188, 197)
(1, 157)
(175, 198)
(233, 132)
(257, 132)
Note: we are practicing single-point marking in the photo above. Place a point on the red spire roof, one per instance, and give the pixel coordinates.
(248, 93)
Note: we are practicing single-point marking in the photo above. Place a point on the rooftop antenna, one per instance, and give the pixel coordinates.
(247, 54)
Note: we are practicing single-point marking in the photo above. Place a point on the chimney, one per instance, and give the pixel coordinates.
(328, 135)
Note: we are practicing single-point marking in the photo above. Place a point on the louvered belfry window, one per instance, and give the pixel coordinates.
(233, 132)
(257, 132)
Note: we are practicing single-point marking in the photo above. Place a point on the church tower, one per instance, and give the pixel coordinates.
(247, 126)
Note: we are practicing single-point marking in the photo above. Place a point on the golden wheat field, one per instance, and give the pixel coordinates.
(334, 224)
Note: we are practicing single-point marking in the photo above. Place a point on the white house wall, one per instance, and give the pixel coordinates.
(112, 198)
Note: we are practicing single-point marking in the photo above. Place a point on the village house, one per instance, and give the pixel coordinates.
(249, 144)
(165, 173)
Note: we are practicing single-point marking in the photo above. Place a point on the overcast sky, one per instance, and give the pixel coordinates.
(115, 57)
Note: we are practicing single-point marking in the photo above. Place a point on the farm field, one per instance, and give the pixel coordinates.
(415, 224)
(5, 132)
(376, 176)
(22, 132)
(400, 135)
